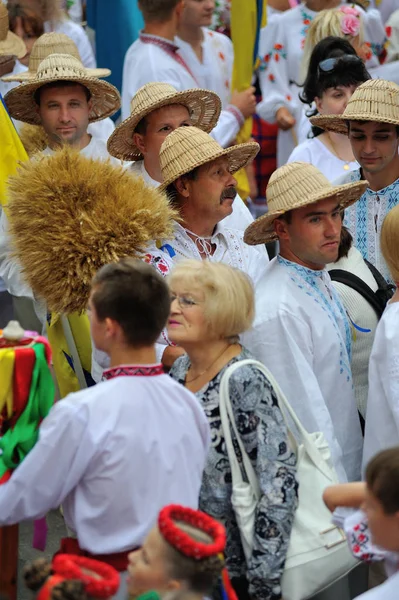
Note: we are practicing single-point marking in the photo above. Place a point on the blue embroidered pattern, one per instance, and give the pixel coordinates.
(316, 284)
(364, 220)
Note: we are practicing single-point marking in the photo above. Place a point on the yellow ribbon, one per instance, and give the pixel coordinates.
(7, 360)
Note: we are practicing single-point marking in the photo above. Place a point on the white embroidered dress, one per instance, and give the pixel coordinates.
(364, 219)
(314, 152)
(301, 333)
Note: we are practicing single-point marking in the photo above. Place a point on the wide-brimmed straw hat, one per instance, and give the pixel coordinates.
(10, 44)
(21, 103)
(374, 100)
(204, 108)
(293, 186)
(189, 147)
(52, 43)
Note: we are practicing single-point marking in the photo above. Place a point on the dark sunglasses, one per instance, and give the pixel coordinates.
(329, 64)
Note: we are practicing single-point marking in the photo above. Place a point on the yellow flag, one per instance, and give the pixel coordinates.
(62, 357)
(247, 18)
(11, 150)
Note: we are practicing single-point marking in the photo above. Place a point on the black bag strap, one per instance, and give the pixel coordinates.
(357, 284)
(383, 286)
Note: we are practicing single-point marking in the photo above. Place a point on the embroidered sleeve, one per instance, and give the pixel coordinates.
(273, 71)
(375, 33)
(263, 432)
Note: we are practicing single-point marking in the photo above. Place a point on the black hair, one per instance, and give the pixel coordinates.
(344, 73)
(59, 84)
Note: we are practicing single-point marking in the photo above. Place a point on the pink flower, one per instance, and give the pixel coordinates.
(350, 25)
(349, 10)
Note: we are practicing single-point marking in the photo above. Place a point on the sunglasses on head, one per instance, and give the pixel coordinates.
(329, 64)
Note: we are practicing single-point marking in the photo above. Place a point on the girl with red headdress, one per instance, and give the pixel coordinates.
(183, 552)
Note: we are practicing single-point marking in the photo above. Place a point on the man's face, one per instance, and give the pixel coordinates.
(211, 194)
(64, 113)
(160, 123)
(374, 145)
(198, 13)
(313, 235)
(97, 327)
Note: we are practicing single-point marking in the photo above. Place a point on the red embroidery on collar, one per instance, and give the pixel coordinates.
(133, 371)
(169, 47)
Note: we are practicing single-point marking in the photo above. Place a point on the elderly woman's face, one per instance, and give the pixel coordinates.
(187, 323)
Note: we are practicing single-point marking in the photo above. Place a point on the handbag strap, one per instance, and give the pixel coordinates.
(227, 419)
(286, 409)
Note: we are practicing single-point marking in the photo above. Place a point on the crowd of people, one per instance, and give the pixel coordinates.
(239, 377)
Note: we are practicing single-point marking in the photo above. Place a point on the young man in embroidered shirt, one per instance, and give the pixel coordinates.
(156, 57)
(157, 109)
(371, 120)
(301, 331)
(113, 455)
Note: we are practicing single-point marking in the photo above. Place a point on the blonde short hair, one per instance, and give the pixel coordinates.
(390, 242)
(326, 23)
(229, 295)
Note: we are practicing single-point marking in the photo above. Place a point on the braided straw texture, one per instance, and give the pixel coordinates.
(69, 215)
(188, 147)
(10, 44)
(374, 100)
(105, 98)
(293, 186)
(204, 108)
(52, 43)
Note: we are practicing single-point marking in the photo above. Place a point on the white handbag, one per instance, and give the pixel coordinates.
(318, 554)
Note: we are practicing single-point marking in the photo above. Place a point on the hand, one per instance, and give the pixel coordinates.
(284, 119)
(171, 353)
(245, 101)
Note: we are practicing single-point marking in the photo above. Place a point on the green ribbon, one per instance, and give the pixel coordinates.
(19, 441)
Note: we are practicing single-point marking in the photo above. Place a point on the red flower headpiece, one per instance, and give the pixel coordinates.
(100, 580)
(182, 541)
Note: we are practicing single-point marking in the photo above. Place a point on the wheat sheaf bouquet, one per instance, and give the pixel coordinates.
(69, 215)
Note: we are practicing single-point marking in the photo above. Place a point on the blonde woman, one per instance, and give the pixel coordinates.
(56, 19)
(212, 304)
(382, 417)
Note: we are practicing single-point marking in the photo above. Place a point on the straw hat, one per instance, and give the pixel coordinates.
(62, 67)
(10, 44)
(374, 100)
(293, 186)
(52, 43)
(203, 106)
(189, 147)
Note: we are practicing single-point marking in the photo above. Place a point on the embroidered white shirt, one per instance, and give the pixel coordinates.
(301, 333)
(113, 455)
(364, 219)
(215, 71)
(382, 422)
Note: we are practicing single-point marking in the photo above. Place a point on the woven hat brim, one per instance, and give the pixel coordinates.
(31, 75)
(261, 231)
(239, 156)
(12, 46)
(339, 123)
(205, 107)
(22, 106)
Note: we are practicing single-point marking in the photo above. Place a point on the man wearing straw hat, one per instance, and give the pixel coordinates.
(157, 109)
(155, 57)
(371, 120)
(64, 99)
(59, 43)
(301, 331)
